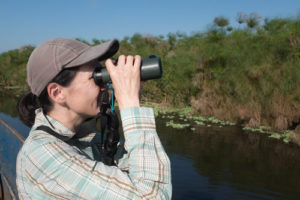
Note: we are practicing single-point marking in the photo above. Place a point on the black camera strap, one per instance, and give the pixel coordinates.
(65, 139)
(55, 134)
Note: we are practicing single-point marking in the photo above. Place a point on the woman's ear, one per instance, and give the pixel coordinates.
(55, 92)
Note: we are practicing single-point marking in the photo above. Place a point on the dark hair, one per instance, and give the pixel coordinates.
(29, 102)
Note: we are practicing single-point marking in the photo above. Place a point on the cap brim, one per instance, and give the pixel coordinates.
(99, 52)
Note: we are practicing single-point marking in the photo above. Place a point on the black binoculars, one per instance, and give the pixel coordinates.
(150, 69)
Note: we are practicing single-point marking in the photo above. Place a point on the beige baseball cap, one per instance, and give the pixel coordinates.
(52, 56)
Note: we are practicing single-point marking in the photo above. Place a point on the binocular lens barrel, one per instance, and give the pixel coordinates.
(150, 69)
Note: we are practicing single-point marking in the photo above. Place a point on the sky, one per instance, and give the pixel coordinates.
(30, 22)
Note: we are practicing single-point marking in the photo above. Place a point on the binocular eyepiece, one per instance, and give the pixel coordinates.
(150, 69)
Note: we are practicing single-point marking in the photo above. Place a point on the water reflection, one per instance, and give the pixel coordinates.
(236, 164)
(8, 104)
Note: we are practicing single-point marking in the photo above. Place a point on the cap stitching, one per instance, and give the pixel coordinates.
(67, 47)
(55, 59)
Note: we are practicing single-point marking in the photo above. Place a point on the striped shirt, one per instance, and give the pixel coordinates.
(49, 168)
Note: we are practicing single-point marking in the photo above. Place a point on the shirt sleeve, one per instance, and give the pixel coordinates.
(60, 171)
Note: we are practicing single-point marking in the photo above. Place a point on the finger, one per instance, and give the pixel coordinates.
(109, 65)
(121, 60)
(137, 61)
(129, 60)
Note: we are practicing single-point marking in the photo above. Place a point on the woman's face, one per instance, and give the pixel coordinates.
(82, 95)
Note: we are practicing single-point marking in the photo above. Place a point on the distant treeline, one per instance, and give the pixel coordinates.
(249, 75)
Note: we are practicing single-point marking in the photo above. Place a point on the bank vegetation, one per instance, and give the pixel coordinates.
(249, 75)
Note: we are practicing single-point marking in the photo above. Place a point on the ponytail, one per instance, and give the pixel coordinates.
(26, 108)
(29, 102)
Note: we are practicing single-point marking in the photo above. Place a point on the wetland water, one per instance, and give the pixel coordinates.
(207, 162)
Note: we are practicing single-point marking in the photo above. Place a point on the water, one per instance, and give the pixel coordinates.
(229, 163)
(208, 163)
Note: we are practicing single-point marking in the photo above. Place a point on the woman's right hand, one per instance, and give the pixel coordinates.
(126, 80)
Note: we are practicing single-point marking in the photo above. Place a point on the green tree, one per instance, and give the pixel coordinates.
(253, 20)
(242, 18)
(221, 22)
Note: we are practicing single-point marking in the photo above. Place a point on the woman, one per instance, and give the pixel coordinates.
(63, 95)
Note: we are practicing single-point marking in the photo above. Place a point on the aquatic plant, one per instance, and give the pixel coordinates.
(284, 135)
(200, 123)
(176, 125)
(261, 129)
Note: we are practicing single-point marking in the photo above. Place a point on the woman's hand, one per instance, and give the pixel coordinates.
(125, 77)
